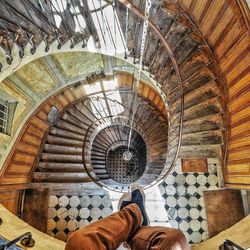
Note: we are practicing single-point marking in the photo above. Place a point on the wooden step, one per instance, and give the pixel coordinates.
(86, 111)
(196, 96)
(185, 50)
(199, 79)
(97, 154)
(97, 150)
(56, 149)
(162, 18)
(206, 123)
(99, 145)
(200, 151)
(80, 116)
(66, 134)
(213, 137)
(98, 157)
(98, 166)
(104, 177)
(103, 139)
(69, 127)
(55, 140)
(60, 177)
(98, 161)
(61, 167)
(197, 67)
(207, 108)
(100, 171)
(74, 121)
(46, 157)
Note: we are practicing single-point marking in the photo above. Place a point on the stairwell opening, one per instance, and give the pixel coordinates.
(110, 160)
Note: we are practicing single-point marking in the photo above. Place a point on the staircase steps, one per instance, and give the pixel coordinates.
(201, 138)
(55, 140)
(65, 134)
(60, 177)
(56, 149)
(85, 110)
(73, 111)
(203, 123)
(47, 157)
(200, 151)
(74, 121)
(199, 95)
(60, 167)
(206, 108)
(69, 127)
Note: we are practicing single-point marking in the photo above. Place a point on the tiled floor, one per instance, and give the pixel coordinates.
(184, 203)
(68, 213)
(177, 203)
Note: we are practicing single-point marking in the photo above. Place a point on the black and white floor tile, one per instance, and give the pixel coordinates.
(68, 213)
(184, 203)
(182, 206)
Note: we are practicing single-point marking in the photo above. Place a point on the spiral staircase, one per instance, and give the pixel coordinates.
(85, 139)
(91, 137)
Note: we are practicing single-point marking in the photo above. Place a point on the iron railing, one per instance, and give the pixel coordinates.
(25, 239)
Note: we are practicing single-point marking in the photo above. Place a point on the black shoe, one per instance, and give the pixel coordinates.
(138, 197)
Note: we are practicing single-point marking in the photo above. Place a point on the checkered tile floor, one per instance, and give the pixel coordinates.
(184, 203)
(68, 213)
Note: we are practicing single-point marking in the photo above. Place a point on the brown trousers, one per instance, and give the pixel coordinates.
(125, 226)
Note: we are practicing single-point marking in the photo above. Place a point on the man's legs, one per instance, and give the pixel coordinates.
(154, 237)
(126, 225)
(158, 238)
(107, 233)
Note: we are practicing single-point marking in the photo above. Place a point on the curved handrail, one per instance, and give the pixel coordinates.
(228, 244)
(25, 239)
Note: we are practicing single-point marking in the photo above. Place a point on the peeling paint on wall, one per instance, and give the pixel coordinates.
(74, 64)
(38, 77)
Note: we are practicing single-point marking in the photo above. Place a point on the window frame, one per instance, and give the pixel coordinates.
(3, 127)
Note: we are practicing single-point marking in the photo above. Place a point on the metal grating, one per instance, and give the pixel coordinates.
(121, 170)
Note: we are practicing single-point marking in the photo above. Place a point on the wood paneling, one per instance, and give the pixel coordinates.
(225, 25)
(23, 154)
(10, 200)
(37, 218)
(221, 212)
(194, 165)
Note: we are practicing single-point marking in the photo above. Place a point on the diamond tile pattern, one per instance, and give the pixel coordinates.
(184, 203)
(68, 213)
